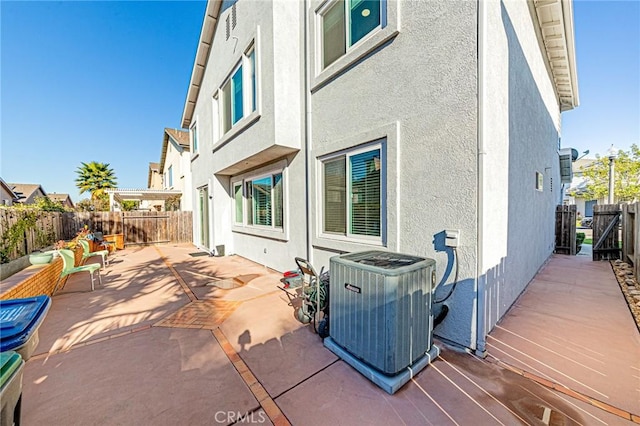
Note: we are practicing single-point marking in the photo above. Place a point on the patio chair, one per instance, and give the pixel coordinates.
(69, 268)
(87, 253)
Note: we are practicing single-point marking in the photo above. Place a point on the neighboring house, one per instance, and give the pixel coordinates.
(584, 205)
(7, 196)
(154, 182)
(175, 165)
(27, 193)
(64, 199)
(382, 135)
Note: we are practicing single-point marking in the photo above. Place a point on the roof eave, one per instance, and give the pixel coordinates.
(554, 21)
(567, 8)
(202, 54)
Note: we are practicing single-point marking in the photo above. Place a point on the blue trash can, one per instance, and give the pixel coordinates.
(19, 323)
(11, 365)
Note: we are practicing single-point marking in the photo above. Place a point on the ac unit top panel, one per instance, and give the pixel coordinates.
(384, 262)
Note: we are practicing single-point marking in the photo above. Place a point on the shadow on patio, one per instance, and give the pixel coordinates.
(162, 343)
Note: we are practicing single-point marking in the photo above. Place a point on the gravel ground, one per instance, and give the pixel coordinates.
(630, 287)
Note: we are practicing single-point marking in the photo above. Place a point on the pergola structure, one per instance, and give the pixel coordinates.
(117, 196)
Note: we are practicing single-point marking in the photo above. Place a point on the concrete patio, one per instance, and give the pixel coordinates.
(173, 338)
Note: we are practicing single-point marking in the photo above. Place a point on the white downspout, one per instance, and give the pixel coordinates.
(307, 132)
(480, 277)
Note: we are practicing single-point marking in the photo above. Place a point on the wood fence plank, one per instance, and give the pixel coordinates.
(137, 227)
(606, 237)
(566, 229)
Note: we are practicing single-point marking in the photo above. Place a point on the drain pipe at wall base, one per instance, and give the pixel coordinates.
(480, 341)
(307, 130)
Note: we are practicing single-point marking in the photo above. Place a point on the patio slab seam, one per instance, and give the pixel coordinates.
(269, 406)
(567, 391)
(177, 276)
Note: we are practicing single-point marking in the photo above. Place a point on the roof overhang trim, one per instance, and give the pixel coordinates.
(202, 55)
(555, 22)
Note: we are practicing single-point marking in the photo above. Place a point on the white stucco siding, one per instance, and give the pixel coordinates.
(272, 134)
(520, 138)
(420, 90)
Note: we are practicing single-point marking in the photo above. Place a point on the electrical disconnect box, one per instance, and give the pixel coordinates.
(452, 237)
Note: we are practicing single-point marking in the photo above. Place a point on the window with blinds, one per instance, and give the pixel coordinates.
(344, 23)
(351, 194)
(261, 204)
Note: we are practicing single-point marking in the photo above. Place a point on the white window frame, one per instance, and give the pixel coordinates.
(348, 236)
(234, 184)
(195, 139)
(347, 21)
(539, 182)
(280, 233)
(388, 28)
(170, 176)
(250, 112)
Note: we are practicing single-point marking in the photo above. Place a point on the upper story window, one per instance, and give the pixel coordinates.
(345, 23)
(237, 97)
(351, 194)
(170, 176)
(194, 139)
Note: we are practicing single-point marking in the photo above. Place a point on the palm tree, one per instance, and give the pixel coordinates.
(94, 178)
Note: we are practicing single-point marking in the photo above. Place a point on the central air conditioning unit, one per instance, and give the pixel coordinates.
(381, 319)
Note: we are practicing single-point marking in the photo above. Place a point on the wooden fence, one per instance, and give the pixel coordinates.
(566, 230)
(606, 235)
(631, 236)
(14, 242)
(137, 227)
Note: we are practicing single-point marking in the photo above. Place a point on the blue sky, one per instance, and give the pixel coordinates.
(98, 81)
(92, 81)
(608, 58)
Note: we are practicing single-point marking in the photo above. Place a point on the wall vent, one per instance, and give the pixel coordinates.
(566, 165)
(233, 16)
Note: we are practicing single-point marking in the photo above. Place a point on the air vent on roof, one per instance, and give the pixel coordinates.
(233, 16)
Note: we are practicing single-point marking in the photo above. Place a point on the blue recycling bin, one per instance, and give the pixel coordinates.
(11, 365)
(19, 323)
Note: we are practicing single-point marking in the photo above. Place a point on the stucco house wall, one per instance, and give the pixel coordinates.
(420, 96)
(466, 118)
(269, 137)
(520, 138)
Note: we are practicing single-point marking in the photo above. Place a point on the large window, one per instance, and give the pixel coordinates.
(237, 97)
(352, 195)
(194, 139)
(262, 202)
(344, 23)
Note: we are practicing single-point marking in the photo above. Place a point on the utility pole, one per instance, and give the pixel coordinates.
(612, 154)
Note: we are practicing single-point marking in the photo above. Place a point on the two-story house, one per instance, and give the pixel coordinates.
(175, 167)
(325, 127)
